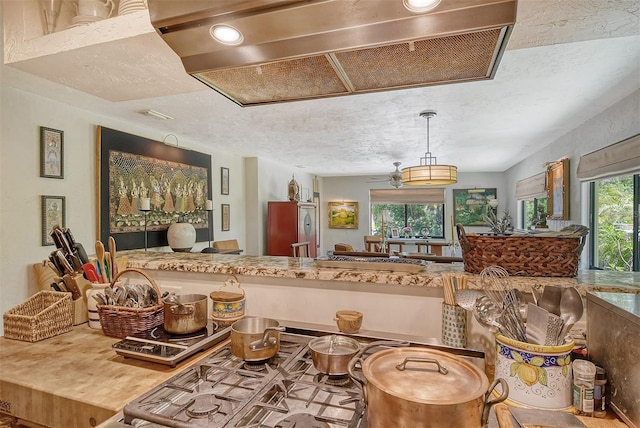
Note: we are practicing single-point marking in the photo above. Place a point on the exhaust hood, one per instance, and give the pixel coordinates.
(306, 49)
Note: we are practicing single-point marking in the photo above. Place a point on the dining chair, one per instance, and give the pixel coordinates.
(342, 247)
(372, 243)
(300, 249)
(229, 244)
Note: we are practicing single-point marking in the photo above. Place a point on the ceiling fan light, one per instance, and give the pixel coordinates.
(430, 175)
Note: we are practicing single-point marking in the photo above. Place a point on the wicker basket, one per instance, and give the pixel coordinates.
(43, 315)
(121, 321)
(522, 255)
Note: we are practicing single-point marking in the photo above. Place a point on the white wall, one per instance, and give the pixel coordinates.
(617, 123)
(22, 113)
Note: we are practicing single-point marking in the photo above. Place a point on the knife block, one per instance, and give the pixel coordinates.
(45, 276)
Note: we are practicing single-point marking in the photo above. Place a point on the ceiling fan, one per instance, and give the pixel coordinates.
(394, 178)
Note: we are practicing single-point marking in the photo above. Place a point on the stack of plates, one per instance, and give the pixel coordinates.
(130, 6)
(79, 20)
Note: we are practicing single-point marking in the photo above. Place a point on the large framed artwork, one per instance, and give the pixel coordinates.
(51, 153)
(131, 168)
(343, 215)
(53, 213)
(558, 189)
(470, 206)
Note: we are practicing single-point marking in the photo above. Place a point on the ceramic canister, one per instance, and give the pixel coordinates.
(538, 376)
(92, 309)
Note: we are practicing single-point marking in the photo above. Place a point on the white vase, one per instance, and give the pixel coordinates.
(181, 236)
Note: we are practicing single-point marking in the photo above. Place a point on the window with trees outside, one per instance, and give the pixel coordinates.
(534, 213)
(614, 234)
(419, 212)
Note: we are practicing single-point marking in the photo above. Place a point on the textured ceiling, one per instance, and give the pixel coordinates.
(566, 61)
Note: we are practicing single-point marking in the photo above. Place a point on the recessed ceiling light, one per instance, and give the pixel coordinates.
(226, 34)
(420, 6)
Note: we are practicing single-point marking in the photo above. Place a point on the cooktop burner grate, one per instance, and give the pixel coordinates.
(221, 391)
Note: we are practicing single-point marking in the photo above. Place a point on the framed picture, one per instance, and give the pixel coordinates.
(53, 214)
(51, 153)
(224, 181)
(343, 215)
(558, 189)
(226, 215)
(395, 232)
(132, 168)
(470, 206)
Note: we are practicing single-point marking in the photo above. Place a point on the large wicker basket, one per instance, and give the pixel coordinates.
(43, 315)
(121, 321)
(526, 255)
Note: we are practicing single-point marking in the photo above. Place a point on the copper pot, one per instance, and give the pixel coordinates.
(255, 339)
(424, 388)
(185, 314)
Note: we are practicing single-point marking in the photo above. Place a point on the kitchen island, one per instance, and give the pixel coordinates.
(77, 380)
(297, 289)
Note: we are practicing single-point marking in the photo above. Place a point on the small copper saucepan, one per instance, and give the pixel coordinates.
(255, 339)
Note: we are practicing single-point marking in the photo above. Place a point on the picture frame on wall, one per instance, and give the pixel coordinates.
(224, 180)
(343, 215)
(51, 153)
(53, 213)
(226, 217)
(470, 206)
(558, 189)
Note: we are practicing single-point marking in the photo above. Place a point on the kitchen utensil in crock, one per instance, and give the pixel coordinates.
(424, 388)
(331, 354)
(186, 316)
(100, 258)
(348, 321)
(467, 298)
(255, 338)
(571, 310)
(112, 255)
(550, 299)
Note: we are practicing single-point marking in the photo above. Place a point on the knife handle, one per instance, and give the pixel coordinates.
(71, 285)
(81, 253)
(64, 263)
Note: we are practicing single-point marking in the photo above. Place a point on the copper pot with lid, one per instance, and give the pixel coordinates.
(419, 387)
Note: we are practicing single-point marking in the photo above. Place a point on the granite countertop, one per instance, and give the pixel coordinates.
(306, 269)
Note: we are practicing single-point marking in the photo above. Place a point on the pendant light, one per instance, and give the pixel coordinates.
(429, 173)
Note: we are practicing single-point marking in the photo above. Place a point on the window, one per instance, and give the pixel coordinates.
(614, 236)
(534, 213)
(420, 209)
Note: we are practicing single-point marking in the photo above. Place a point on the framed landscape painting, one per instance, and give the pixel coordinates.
(343, 215)
(471, 205)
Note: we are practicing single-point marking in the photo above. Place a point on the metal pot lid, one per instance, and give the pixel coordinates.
(455, 381)
(342, 345)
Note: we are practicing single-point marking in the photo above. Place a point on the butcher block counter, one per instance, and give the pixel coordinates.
(73, 380)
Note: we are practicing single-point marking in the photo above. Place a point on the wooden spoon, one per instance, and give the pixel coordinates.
(112, 252)
(100, 257)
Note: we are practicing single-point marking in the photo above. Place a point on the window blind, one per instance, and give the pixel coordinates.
(617, 159)
(434, 195)
(532, 187)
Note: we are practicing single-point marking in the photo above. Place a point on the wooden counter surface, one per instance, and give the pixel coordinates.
(74, 379)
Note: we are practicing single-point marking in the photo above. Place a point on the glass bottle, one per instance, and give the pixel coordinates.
(599, 401)
(584, 373)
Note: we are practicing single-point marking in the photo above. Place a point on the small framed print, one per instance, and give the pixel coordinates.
(558, 189)
(395, 232)
(53, 214)
(226, 213)
(224, 181)
(51, 153)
